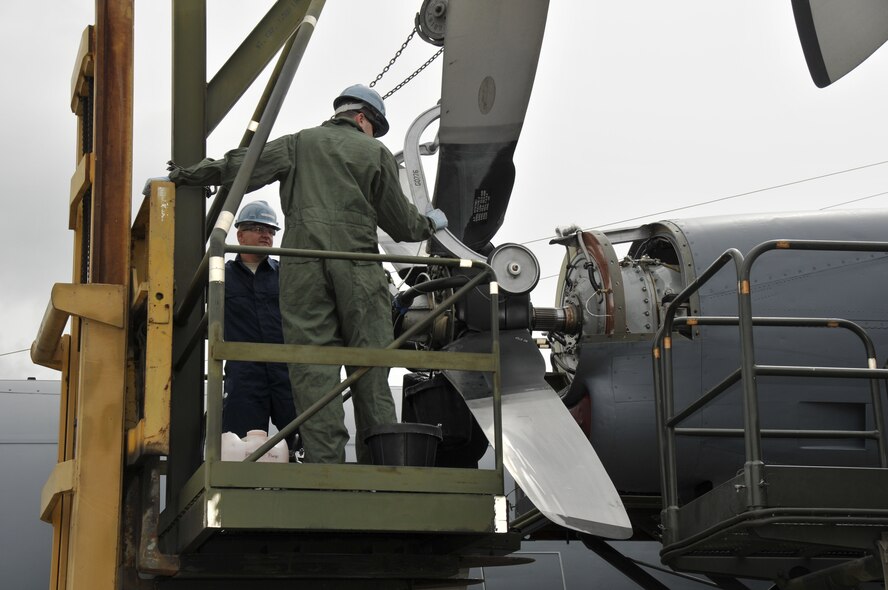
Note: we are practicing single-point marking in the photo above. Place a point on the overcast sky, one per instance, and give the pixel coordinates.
(639, 108)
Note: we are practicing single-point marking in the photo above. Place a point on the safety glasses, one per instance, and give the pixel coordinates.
(259, 229)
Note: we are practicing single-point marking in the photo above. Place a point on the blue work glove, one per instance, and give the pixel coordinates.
(438, 219)
(147, 189)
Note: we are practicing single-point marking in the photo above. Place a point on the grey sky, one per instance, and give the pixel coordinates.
(639, 107)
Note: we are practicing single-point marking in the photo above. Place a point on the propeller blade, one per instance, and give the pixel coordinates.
(839, 35)
(491, 49)
(543, 447)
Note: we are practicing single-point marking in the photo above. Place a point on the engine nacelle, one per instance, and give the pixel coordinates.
(620, 300)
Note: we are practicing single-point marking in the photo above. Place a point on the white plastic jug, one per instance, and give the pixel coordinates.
(235, 448)
(232, 447)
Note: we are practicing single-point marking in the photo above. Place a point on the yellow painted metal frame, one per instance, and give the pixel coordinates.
(82, 496)
(80, 183)
(95, 518)
(84, 69)
(60, 481)
(152, 285)
(90, 454)
(56, 509)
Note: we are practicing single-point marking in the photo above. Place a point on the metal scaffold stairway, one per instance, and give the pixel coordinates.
(806, 526)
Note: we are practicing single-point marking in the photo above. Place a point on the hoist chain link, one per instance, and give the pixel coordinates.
(413, 75)
(395, 58)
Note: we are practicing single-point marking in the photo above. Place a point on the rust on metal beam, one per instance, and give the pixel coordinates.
(113, 142)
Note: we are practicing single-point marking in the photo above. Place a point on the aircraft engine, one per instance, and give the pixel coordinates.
(610, 306)
(591, 283)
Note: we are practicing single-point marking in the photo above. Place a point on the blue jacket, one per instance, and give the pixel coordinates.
(252, 314)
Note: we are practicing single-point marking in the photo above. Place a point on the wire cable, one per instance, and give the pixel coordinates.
(735, 196)
(14, 352)
(854, 200)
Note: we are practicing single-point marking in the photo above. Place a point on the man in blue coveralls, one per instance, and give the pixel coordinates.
(254, 391)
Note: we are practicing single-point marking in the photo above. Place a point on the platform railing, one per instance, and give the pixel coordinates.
(219, 350)
(212, 266)
(668, 420)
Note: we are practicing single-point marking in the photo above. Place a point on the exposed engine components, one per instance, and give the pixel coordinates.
(419, 301)
(591, 283)
(648, 283)
(557, 319)
(604, 298)
(517, 269)
(431, 21)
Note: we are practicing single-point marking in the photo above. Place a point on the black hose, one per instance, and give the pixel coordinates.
(590, 264)
(403, 300)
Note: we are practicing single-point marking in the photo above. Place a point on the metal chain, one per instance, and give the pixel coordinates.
(395, 58)
(413, 75)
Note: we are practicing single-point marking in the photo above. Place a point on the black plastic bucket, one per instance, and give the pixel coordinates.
(405, 444)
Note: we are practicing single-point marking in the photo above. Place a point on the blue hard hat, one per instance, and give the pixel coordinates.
(257, 212)
(357, 97)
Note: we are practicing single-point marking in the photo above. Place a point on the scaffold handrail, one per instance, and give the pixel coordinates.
(215, 331)
(668, 420)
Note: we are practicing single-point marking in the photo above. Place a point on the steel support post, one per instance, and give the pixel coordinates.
(189, 32)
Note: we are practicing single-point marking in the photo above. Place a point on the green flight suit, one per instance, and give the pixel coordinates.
(337, 185)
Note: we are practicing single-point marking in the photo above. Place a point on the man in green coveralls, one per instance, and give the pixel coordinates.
(337, 184)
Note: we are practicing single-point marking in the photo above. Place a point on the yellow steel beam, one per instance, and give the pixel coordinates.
(46, 348)
(102, 303)
(86, 524)
(96, 301)
(112, 143)
(61, 481)
(94, 543)
(60, 513)
(83, 495)
(151, 434)
(84, 66)
(80, 183)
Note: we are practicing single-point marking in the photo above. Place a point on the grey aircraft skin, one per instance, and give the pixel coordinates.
(29, 422)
